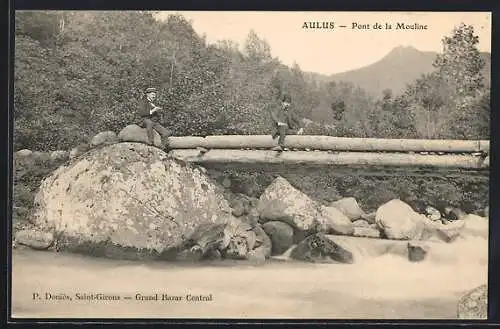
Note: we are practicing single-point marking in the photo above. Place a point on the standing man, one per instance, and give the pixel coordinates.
(149, 112)
(284, 119)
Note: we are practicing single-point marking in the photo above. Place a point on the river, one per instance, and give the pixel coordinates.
(375, 287)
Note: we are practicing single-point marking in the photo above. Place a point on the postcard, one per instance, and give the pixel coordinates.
(251, 164)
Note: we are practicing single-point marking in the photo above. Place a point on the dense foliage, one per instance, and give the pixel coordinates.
(83, 72)
(79, 73)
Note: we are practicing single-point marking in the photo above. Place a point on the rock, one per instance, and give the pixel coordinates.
(361, 223)
(321, 248)
(240, 238)
(34, 239)
(254, 202)
(283, 202)
(398, 220)
(205, 238)
(476, 226)
(416, 252)
(238, 210)
(281, 235)
(73, 153)
(252, 218)
(263, 244)
(333, 221)
(255, 256)
(486, 212)
(349, 207)
(104, 138)
(452, 213)
(226, 182)
(474, 304)
(237, 249)
(441, 232)
(127, 196)
(367, 232)
(41, 156)
(23, 153)
(59, 155)
(370, 218)
(432, 213)
(240, 204)
(234, 239)
(79, 150)
(134, 133)
(369, 248)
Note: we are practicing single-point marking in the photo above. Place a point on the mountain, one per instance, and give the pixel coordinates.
(400, 66)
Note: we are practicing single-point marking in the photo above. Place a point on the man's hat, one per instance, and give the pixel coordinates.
(150, 90)
(287, 98)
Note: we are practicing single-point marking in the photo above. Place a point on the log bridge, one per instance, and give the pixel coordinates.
(392, 156)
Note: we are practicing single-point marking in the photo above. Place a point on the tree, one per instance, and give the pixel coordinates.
(445, 103)
(460, 64)
(255, 48)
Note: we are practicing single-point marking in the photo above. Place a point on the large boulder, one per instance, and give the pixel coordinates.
(399, 221)
(281, 235)
(283, 202)
(127, 196)
(474, 304)
(104, 138)
(134, 133)
(333, 221)
(349, 207)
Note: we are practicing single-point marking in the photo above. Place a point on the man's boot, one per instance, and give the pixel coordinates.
(165, 145)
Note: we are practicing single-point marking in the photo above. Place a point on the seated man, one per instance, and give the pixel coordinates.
(284, 119)
(149, 112)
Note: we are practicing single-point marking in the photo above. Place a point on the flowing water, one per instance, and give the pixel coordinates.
(376, 286)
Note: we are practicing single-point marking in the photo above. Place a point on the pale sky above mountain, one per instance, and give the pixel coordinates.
(338, 49)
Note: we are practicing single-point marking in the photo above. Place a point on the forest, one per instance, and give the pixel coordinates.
(79, 73)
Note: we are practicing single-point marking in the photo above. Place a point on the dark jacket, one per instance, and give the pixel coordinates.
(145, 107)
(278, 114)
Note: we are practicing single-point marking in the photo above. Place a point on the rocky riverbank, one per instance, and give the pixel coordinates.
(121, 198)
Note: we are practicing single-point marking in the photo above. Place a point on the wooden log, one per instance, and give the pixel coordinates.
(331, 143)
(399, 160)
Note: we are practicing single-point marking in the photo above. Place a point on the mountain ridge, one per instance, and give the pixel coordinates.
(400, 66)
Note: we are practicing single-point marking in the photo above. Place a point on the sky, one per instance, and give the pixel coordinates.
(329, 51)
